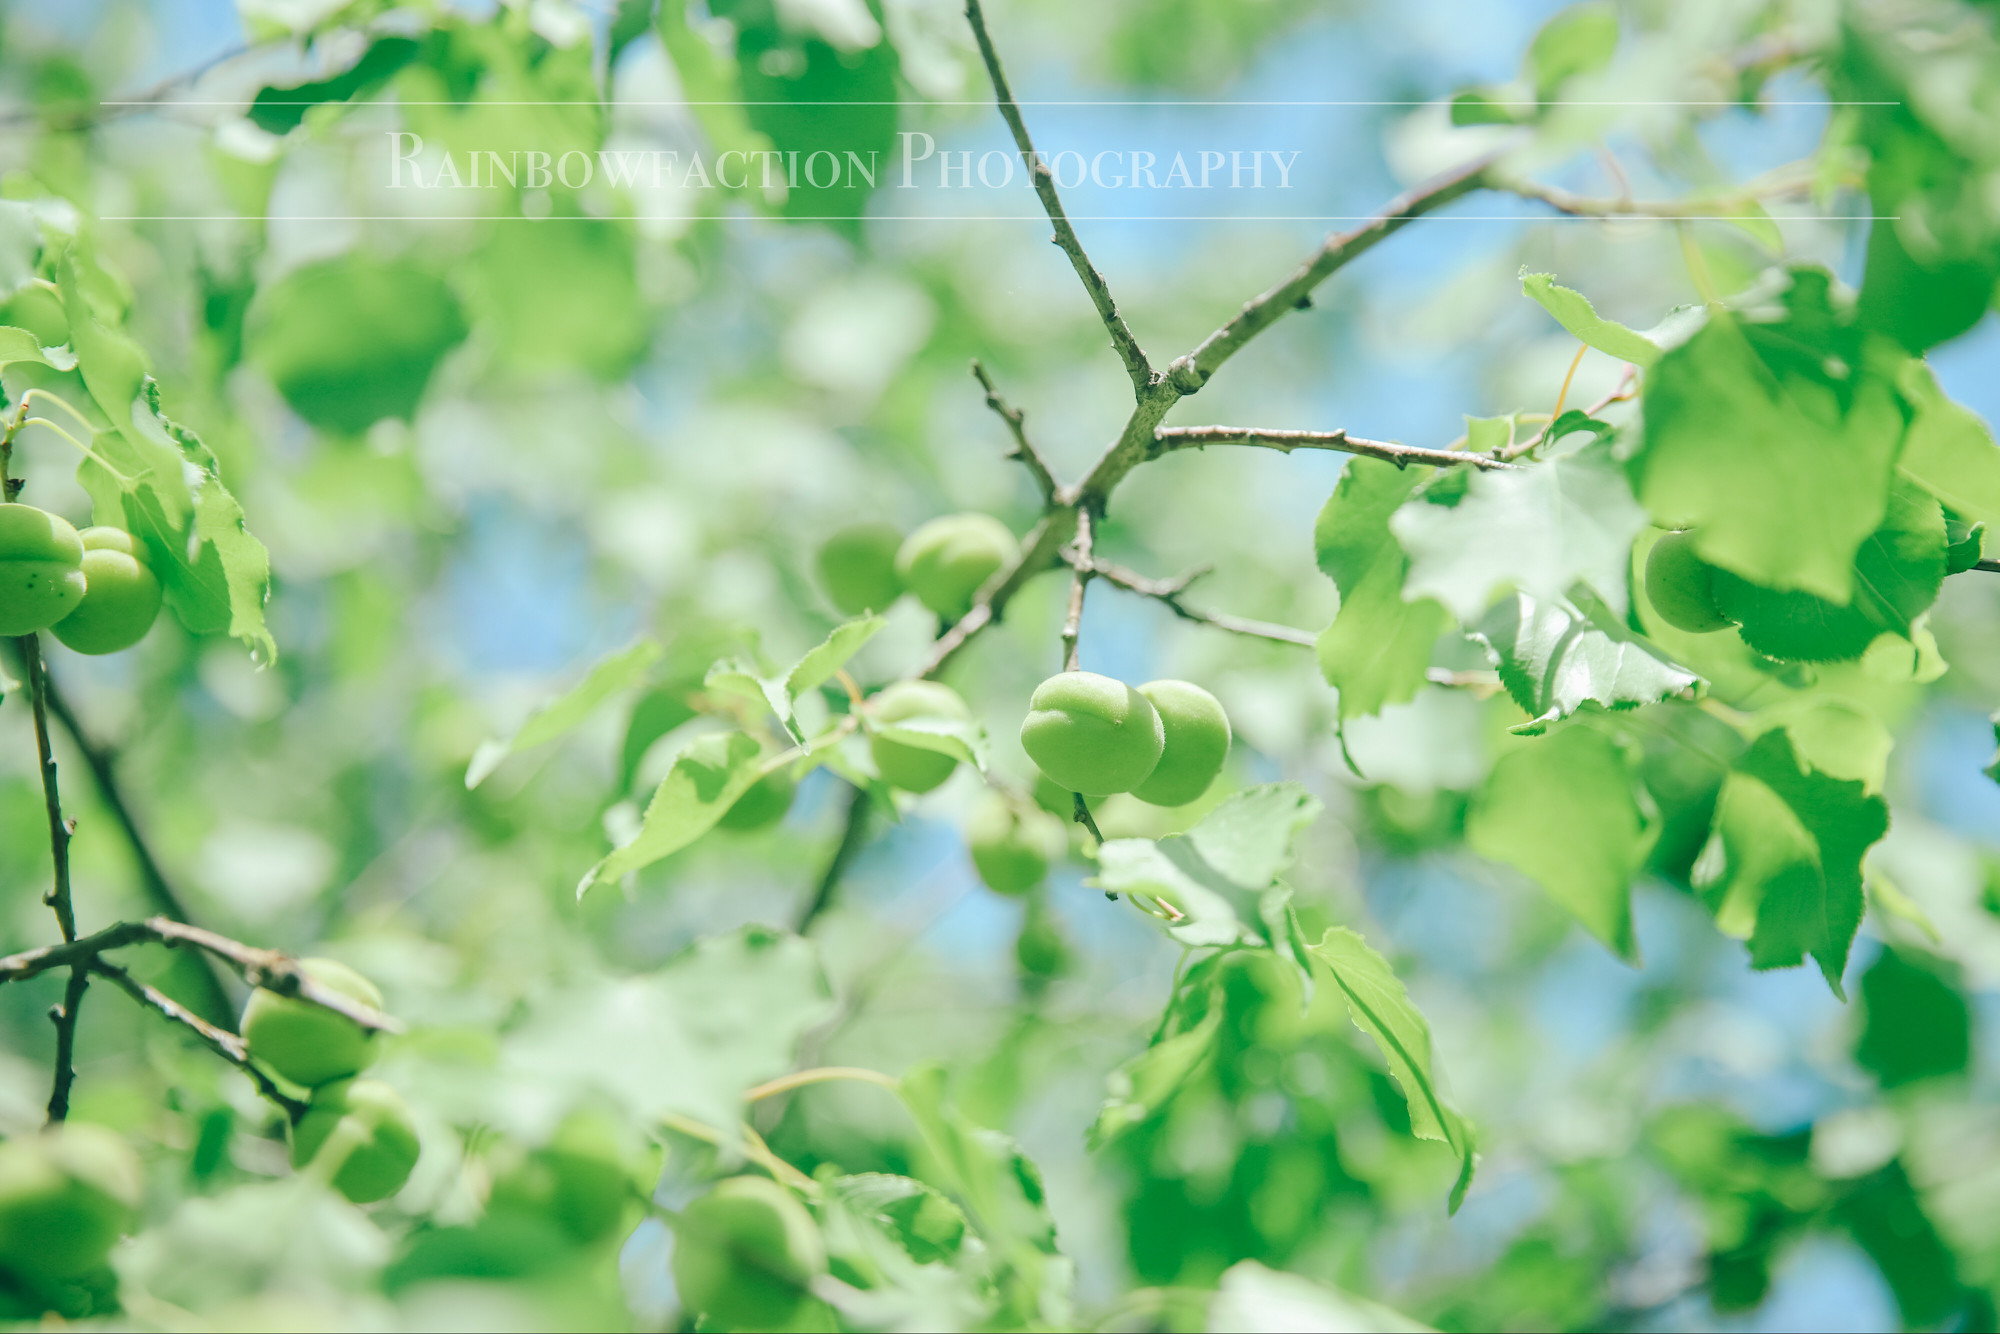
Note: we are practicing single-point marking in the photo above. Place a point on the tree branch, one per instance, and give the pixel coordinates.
(221, 1041)
(64, 1017)
(853, 834)
(269, 969)
(214, 1003)
(1078, 554)
(1023, 450)
(1122, 340)
(1169, 591)
(1168, 439)
(30, 649)
(1189, 373)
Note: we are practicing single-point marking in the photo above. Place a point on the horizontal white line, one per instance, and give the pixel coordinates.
(407, 102)
(1011, 217)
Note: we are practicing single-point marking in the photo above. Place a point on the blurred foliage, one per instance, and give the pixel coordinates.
(1535, 963)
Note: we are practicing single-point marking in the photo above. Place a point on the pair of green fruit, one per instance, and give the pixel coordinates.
(1164, 742)
(67, 1193)
(945, 563)
(363, 1121)
(93, 588)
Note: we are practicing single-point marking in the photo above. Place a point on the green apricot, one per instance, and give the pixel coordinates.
(763, 805)
(39, 311)
(41, 569)
(1092, 734)
(583, 1180)
(744, 1253)
(1012, 848)
(121, 596)
(857, 568)
(66, 1195)
(306, 1043)
(1197, 743)
(947, 561)
(1679, 584)
(370, 1126)
(912, 768)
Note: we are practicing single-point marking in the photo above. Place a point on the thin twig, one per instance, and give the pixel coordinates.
(1620, 393)
(60, 830)
(1127, 346)
(853, 834)
(1191, 372)
(1045, 480)
(1080, 812)
(1988, 564)
(1039, 552)
(214, 1003)
(1078, 554)
(1171, 438)
(1169, 591)
(270, 969)
(221, 1041)
(1711, 208)
(64, 1017)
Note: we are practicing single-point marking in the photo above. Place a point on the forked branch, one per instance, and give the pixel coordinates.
(1127, 346)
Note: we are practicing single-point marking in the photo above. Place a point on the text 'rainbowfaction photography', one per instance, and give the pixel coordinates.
(999, 665)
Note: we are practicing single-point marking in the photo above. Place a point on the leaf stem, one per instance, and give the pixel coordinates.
(822, 1075)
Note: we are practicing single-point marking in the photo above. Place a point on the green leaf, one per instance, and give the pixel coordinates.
(1382, 1009)
(1783, 866)
(20, 345)
(611, 676)
(1553, 660)
(963, 740)
(279, 110)
(1965, 546)
(688, 1039)
(1140, 1087)
(1488, 106)
(1001, 1192)
(1565, 812)
(562, 290)
(1538, 530)
(1579, 40)
(352, 340)
(1898, 573)
(1213, 910)
(1249, 837)
(1251, 1299)
(1574, 312)
(701, 787)
(654, 714)
(1378, 648)
(1917, 1023)
(20, 246)
(1837, 737)
(822, 108)
(114, 371)
(225, 551)
(1776, 441)
(1949, 451)
(818, 666)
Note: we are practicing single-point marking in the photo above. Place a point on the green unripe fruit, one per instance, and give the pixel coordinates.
(1012, 848)
(41, 569)
(1679, 584)
(912, 768)
(121, 596)
(763, 805)
(1092, 734)
(368, 1124)
(306, 1043)
(39, 311)
(66, 1194)
(857, 567)
(947, 561)
(582, 1180)
(1197, 732)
(744, 1253)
